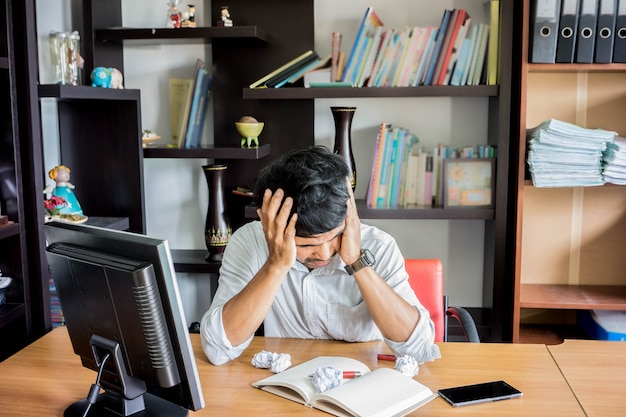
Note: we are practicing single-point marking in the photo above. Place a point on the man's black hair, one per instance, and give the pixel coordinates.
(316, 180)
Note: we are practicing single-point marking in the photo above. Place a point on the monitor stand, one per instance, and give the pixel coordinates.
(107, 406)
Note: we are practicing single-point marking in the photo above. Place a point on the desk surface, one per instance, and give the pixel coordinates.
(47, 376)
(596, 374)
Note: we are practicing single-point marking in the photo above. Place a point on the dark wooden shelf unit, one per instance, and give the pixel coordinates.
(184, 35)
(9, 230)
(81, 92)
(25, 315)
(370, 92)
(209, 152)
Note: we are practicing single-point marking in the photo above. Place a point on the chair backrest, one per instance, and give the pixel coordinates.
(426, 279)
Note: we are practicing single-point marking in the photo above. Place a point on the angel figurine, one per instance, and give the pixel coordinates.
(64, 189)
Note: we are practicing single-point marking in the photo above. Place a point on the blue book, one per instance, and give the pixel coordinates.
(462, 62)
(441, 33)
(198, 110)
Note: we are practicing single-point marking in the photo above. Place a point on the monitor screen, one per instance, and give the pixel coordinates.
(123, 312)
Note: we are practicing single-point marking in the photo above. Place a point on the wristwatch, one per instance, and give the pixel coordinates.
(366, 259)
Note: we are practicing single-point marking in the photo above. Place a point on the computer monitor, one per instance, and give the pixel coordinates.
(123, 312)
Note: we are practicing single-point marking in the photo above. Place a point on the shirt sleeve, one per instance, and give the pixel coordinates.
(240, 262)
(390, 266)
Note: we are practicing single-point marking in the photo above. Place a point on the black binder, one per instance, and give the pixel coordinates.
(544, 26)
(605, 31)
(619, 45)
(586, 40)
(568, 26)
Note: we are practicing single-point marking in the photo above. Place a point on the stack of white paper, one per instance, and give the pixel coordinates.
(562, 154)
(614, 161)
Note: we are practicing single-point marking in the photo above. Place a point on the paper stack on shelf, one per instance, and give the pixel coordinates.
(614, 161)
(562, 154)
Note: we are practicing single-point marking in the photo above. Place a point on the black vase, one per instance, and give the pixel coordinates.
(343, 138)
(217, 230)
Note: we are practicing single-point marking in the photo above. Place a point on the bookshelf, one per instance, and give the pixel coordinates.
(567, 255)
(269, 33)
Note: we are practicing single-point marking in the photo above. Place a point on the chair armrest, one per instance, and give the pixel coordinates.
(467, 323)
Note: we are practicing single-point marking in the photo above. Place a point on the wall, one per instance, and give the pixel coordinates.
(176, 195)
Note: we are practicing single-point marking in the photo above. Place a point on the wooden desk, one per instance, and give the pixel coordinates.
(47, 376)
(595, 372)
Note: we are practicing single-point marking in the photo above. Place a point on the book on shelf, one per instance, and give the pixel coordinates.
(480, 58)
(186, 104)
(457, 19)
(418, 58)
(291, 71)
(314, 65)
(199, 105)
(372, 190)
(335, 50)
(383, 392)
(420, 74)
(462, 61)
(494, 43)
(260, 83)
(456, 50)
(472, 41)
(441, 33)
(382, 54)
(364, 36)
(180, 92)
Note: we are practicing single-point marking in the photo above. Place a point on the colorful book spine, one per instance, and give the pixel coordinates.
(377, 160)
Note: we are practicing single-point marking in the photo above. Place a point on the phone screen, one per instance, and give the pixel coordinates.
(479, 393)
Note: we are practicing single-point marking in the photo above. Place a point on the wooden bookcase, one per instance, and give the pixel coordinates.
(25, 315)
(269, 33)
(568, 241)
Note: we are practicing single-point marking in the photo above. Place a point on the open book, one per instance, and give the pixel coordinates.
(383, 392)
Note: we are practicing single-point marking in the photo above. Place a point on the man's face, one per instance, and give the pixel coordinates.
(317, 251)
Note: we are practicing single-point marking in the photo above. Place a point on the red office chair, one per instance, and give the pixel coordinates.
(426, 279)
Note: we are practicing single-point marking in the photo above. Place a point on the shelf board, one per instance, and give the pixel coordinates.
(576, 67)
(180, 35)
(430, 213)
(573, 297)
(10, 312)
(194, 260)
(9, 230)
(374, 92)
(83, 92)
(209, 152)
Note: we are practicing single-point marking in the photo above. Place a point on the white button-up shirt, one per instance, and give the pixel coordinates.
(324, 303)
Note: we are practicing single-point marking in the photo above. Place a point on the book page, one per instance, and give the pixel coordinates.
(383, 392)
(298, 380)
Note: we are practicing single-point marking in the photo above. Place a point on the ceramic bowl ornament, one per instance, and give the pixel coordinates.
(249, 128)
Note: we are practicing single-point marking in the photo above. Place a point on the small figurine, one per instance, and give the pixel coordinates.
(174, 19)
(249, 128)
(106, 78)
(225, 20)
(64, 189)
(189, 17)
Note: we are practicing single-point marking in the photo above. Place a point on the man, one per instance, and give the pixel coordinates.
(310, 269)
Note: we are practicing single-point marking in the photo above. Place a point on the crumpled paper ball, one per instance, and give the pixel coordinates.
(275, 362)
(407, 365)
(326, 378)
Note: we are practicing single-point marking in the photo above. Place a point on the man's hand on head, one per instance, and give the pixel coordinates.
(279, 227)
(351, 239)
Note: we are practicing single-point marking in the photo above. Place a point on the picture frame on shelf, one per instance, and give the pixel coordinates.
(468, 182)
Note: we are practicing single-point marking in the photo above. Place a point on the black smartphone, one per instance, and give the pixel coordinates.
(479, 393)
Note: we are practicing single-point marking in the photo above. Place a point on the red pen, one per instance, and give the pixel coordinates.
(351, 374)
(386, 357)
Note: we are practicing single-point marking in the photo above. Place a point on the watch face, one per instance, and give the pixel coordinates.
(368, 257)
